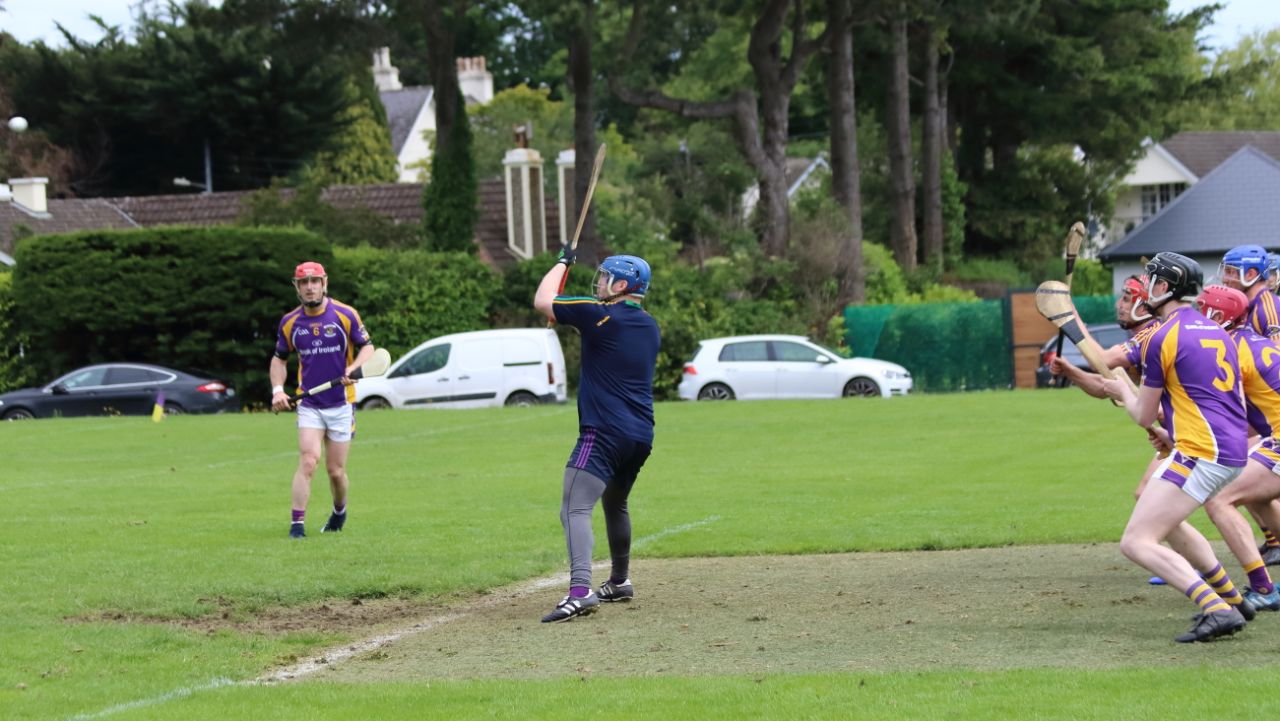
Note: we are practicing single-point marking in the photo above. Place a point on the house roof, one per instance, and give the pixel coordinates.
(1238, 203)
(1201, 152)
(398, 202)
(403, 107)
(63, 216)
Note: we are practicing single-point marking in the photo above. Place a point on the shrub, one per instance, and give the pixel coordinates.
(15, 371)
(201, 299)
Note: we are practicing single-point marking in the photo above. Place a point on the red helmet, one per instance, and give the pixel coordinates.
(1135, 286)
(1229, 301)
(309, 269)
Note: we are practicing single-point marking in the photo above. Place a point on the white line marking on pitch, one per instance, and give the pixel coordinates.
(328, 658)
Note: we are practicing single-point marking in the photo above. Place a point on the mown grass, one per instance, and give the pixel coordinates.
(113, 527)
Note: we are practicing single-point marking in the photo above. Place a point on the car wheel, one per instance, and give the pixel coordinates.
(715, 392)
(173, 409)
(861, 388)
(375, 403)
(521, 399)
(18, 414)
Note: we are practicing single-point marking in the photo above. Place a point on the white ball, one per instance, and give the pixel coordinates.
(17, 123)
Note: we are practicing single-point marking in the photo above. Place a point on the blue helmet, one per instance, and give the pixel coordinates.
(1244, 258)
(630, 268)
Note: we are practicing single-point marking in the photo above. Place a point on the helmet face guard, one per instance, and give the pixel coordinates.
(305, 271)
(1229, 303)
(1135, 290)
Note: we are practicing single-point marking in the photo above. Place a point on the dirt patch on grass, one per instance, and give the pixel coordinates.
(353, 617)
(990, 609)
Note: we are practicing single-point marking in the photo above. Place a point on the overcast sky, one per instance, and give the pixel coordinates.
(30, 20)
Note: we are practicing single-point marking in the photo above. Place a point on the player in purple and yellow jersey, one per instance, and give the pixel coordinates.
(331, 342)
(620, 343)
(1246, 268)
(1258, 484)
(1190, 371)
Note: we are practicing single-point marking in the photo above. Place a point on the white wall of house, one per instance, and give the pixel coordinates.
(1156, 168)
(415, 156)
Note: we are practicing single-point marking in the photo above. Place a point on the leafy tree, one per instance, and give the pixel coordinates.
(491, 125)
(262, 82)
(449, 200)
(1247, 95)
(361, 153)
(305, 207)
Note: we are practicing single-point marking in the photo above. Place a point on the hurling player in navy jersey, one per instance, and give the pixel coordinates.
(620, 344)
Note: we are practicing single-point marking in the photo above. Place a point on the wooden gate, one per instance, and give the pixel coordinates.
(1028, 330)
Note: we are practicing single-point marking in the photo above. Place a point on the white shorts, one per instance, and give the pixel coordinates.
(1197, 477)
(339, 422)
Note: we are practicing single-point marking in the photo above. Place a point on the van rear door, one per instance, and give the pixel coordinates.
(478, 373)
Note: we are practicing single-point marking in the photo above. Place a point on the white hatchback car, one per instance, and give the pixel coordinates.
(510, 366)
(750, 367)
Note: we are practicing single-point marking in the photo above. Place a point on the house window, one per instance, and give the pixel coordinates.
(1155, 197)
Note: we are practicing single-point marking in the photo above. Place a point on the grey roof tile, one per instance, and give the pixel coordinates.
(403, 107)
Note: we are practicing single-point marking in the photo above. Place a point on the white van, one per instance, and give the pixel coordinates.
(512, 367)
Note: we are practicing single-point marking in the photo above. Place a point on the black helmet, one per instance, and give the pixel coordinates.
(1181, 273)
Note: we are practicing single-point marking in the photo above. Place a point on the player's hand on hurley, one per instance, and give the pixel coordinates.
(280, 402)
(568, 256)
(1058, 366)
(1114, 388)
(1159, 439)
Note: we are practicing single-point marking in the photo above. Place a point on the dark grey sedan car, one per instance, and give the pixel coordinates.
(111, 389)
(1107, 335)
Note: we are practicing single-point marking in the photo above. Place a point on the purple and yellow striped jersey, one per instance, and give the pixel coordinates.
(326, 344)
(1195, 363)
(1260, 375)
(1263, 315)
(1133, 346)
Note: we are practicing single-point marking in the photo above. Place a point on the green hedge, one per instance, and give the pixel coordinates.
(407, 297)
(15, 371)
(200, 299)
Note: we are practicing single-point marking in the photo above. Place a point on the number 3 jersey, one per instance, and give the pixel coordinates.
(1196, 363)
(1260, 375)
(326, 344)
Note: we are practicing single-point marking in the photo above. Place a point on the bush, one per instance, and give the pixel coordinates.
(201, 299)
(15, 372)
(449, 200)
(407, 297)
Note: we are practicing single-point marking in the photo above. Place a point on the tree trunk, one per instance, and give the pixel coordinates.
(760, 122)
(581, 83)
(846, 179)
(442, 66)
(902, 180)
(931, 152)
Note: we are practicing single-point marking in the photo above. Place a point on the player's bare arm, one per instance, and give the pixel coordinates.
(277, 372)
(547, 290)
(1143, 408)
(366, 352)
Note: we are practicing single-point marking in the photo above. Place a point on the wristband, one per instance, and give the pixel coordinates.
(277, 389)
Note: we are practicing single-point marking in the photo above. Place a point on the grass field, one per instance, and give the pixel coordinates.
(789, 552)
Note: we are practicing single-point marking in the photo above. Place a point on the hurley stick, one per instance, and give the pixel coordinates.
(582, 217)
(1074, 239)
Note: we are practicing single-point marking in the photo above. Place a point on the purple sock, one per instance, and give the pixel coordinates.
(298, 515)
(579, 591)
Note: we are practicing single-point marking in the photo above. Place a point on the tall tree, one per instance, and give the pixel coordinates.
(932, 146)
(581, 28)
(898, 124)
(759, 118)
(846, 179)
(449, 200)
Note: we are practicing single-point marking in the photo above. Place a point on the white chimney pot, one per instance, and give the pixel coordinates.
(30, 193)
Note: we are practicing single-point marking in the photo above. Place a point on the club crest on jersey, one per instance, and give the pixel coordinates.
(330, 330)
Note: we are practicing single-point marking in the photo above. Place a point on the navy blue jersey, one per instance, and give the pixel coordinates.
(620, 343)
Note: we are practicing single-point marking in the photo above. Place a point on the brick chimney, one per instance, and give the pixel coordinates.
(475, 82)
(385, 75)
(30, 193)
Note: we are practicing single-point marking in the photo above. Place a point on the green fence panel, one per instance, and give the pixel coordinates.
(949, 346)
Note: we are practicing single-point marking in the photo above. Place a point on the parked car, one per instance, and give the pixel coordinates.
(750, 367)
(512, 367)
(1107, 335)
(120, 389)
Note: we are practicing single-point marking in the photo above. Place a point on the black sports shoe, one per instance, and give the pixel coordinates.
(611, 592)
(334, 524)
(1270, 554)
(1209, 626)
(296, 530)
(571, 607)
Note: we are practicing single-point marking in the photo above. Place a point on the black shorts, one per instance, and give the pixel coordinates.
(613, 459)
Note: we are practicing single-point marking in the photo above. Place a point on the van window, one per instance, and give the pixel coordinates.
(426, 360)
(479, 353)
(521, 352)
